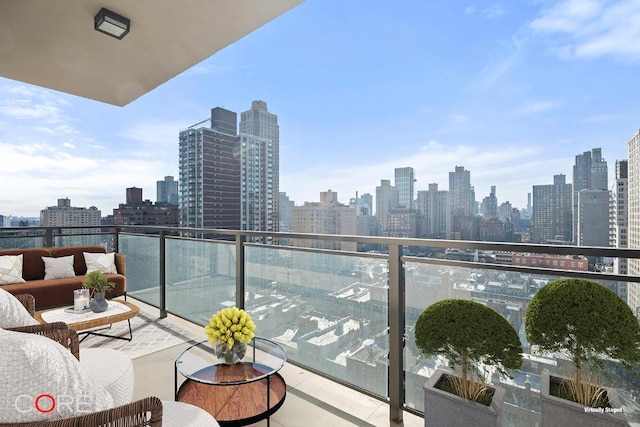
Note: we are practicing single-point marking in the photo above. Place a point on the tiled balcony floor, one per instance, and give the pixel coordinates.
(311, 401)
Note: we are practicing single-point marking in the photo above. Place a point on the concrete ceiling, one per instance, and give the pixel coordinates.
(53, 44)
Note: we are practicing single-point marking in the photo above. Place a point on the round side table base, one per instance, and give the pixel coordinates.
(238, 404)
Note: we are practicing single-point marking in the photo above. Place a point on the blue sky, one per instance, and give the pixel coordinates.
(512, 91)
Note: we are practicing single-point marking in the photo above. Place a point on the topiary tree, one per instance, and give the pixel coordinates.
(586, 320)
(468, 333)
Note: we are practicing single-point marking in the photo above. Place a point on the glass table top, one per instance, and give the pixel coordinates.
(262, 358)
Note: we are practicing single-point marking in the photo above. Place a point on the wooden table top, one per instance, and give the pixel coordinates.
(118, 310)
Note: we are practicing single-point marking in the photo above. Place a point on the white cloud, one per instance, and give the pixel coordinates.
(534, 107)
(469, 10)
(590, 28)
(494, 71)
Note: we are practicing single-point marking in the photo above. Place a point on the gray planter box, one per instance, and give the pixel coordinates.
(561, 412)
(444, 409)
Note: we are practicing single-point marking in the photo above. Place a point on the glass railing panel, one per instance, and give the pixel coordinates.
(21, 239)
(329, 311)
(508, 293)
(200, 278)
(143, 266)
(81, 240)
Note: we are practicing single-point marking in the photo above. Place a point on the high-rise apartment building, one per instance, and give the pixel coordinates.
(434, 205)
(633, 231)
(404, 184)
(285, 212)
(65, 215)
(386, 199)
(462, 199)
(593, 218)
(325, 217)
(590, 172)
(260, 164)
(551, 219)
(209, 167)
(619, 214)
(167, 191)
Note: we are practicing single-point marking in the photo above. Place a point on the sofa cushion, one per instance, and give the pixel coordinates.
(78, 262)
(58, 268)
(102, 262)
(11, 269)
(35, 373)
(13, 312)
(32, 264)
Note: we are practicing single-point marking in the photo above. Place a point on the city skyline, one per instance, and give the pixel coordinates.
(512, 94)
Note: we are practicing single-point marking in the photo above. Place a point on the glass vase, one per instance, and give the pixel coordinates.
(232, 355)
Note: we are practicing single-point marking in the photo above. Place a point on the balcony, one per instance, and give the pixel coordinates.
(345, 318)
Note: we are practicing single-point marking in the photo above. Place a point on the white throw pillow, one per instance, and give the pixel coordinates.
(36, 372)
(14, 314)
(11, 269)
(103, 262)
(58, 268)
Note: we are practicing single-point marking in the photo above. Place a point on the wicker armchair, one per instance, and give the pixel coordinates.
(145, 412)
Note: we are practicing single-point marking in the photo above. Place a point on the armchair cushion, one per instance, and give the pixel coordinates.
(13, 313)
(111, 369)
(41, 380)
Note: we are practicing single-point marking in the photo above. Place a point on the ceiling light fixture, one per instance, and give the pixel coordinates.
(111, 23)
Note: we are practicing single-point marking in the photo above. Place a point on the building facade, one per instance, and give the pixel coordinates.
(167, 191)
(633, 231)
(136, 211)
(209, 167)
(590, 172)
(404, 184)
(551, 219)
(462, 199)
(260, 176)
(65, 215)
(619, 214)
(325, 217)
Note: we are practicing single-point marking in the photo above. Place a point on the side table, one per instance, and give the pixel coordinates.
(236, 395)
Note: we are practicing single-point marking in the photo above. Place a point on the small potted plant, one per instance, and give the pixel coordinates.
(467, 333)
(583, 320)
(98, 284)
(230, 330)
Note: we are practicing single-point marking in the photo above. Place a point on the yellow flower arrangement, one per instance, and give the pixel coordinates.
(230, 325)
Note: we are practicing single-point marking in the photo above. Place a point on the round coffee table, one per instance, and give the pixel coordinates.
(238, 394)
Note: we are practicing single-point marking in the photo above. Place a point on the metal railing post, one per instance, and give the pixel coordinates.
(396, 334)
(163, 268)
(48, 238)
(240, 240)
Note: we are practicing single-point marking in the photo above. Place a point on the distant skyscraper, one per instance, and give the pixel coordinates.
(260, 178)
(362, 204)
(167, 191)
(590, 172)
(285, 212)
(404, 184)
(634, 219)
(593, 218)
(462, 199)
(434, 206)
(489, 207)
(386, 199)
(619, 211)
(209, 165)
(551, 219)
